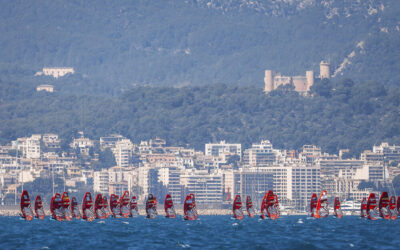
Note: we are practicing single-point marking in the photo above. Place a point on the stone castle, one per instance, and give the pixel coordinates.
(302, 84)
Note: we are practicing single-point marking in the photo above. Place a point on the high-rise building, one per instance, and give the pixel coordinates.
(260, 154)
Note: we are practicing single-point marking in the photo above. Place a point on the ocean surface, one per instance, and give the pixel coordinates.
(211, 232)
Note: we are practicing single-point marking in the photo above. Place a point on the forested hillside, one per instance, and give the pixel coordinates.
(114, 45)
(339, 115)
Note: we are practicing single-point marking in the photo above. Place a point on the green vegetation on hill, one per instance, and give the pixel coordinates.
(340, 114)
(116, 45)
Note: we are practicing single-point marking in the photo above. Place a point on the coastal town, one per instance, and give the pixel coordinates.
(114, 164)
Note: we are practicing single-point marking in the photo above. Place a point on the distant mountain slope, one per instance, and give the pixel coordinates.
(114, 45)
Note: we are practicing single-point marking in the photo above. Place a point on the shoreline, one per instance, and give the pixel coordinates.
(15, 211)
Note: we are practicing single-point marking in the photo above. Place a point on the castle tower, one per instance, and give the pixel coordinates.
(310, 79)
(268, 81)
(324, 70)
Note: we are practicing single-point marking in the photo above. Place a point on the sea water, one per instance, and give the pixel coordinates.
(212, 232)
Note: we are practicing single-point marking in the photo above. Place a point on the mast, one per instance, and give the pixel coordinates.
(52, 174)
(16, 181)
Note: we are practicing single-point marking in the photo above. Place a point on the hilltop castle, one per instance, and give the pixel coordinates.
(302, 84)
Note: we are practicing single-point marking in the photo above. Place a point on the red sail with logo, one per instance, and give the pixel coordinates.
(313, 205)
(124, 205)
(392, 208)
(106, 208)
(189, 208)
(114, 206)
(372, 208)
(98, 207)
(322, 205)
(264, 206)
(66, 204)
(273, 206)
(249, 207)
(25, 205)
(151, 207)
(363, 208)
(384, 210)
(133, 206)
(39, 211)
(56, 207)
(169, 207)
(75, 208)
(337, 210)
(237, 208)
(88, 207)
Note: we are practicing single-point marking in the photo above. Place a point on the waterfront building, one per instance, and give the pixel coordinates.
(222, 148)
(261, 154)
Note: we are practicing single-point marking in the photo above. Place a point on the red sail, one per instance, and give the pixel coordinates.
(237, 208)
(273, 206)
(398, 204)
(384, 210)
(313, 205)
(249, 207)
(25, 204)
(151, 207)
(189, 208)
(322, 205)
(124, 205)
(39, 211)
(393, 208)
(87, 207)
(363, 208)
(106, 209)
(169, 207)
(372, 212)
(114, 206)
(75, 208)
(133, 207)
(66, 206)
(337, 210)
(98, 207)
(264, 205)
(56, 207)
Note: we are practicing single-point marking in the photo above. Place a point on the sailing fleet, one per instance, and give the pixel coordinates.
(62, 207)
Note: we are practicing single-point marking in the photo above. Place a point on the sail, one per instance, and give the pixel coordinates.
(87, 207)
(169, 207)
(322, 205)
(264, 206)
(189, 208)
(313, 205)
(106, 208)
(124, 205)
(372, 212)
(392, 207)
(237, 208)
(75, 208)
(39, 211)
(337, 210)
(249, 207)
(384, 210)
(56, 208)
(273, 206)
(25, 204)
(363, 208)
(98, 207)
(114, 206)
(151, 207)
(398, 204)
(66, 206)
(133, 207)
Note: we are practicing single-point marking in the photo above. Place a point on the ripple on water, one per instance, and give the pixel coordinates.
(287, 232)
